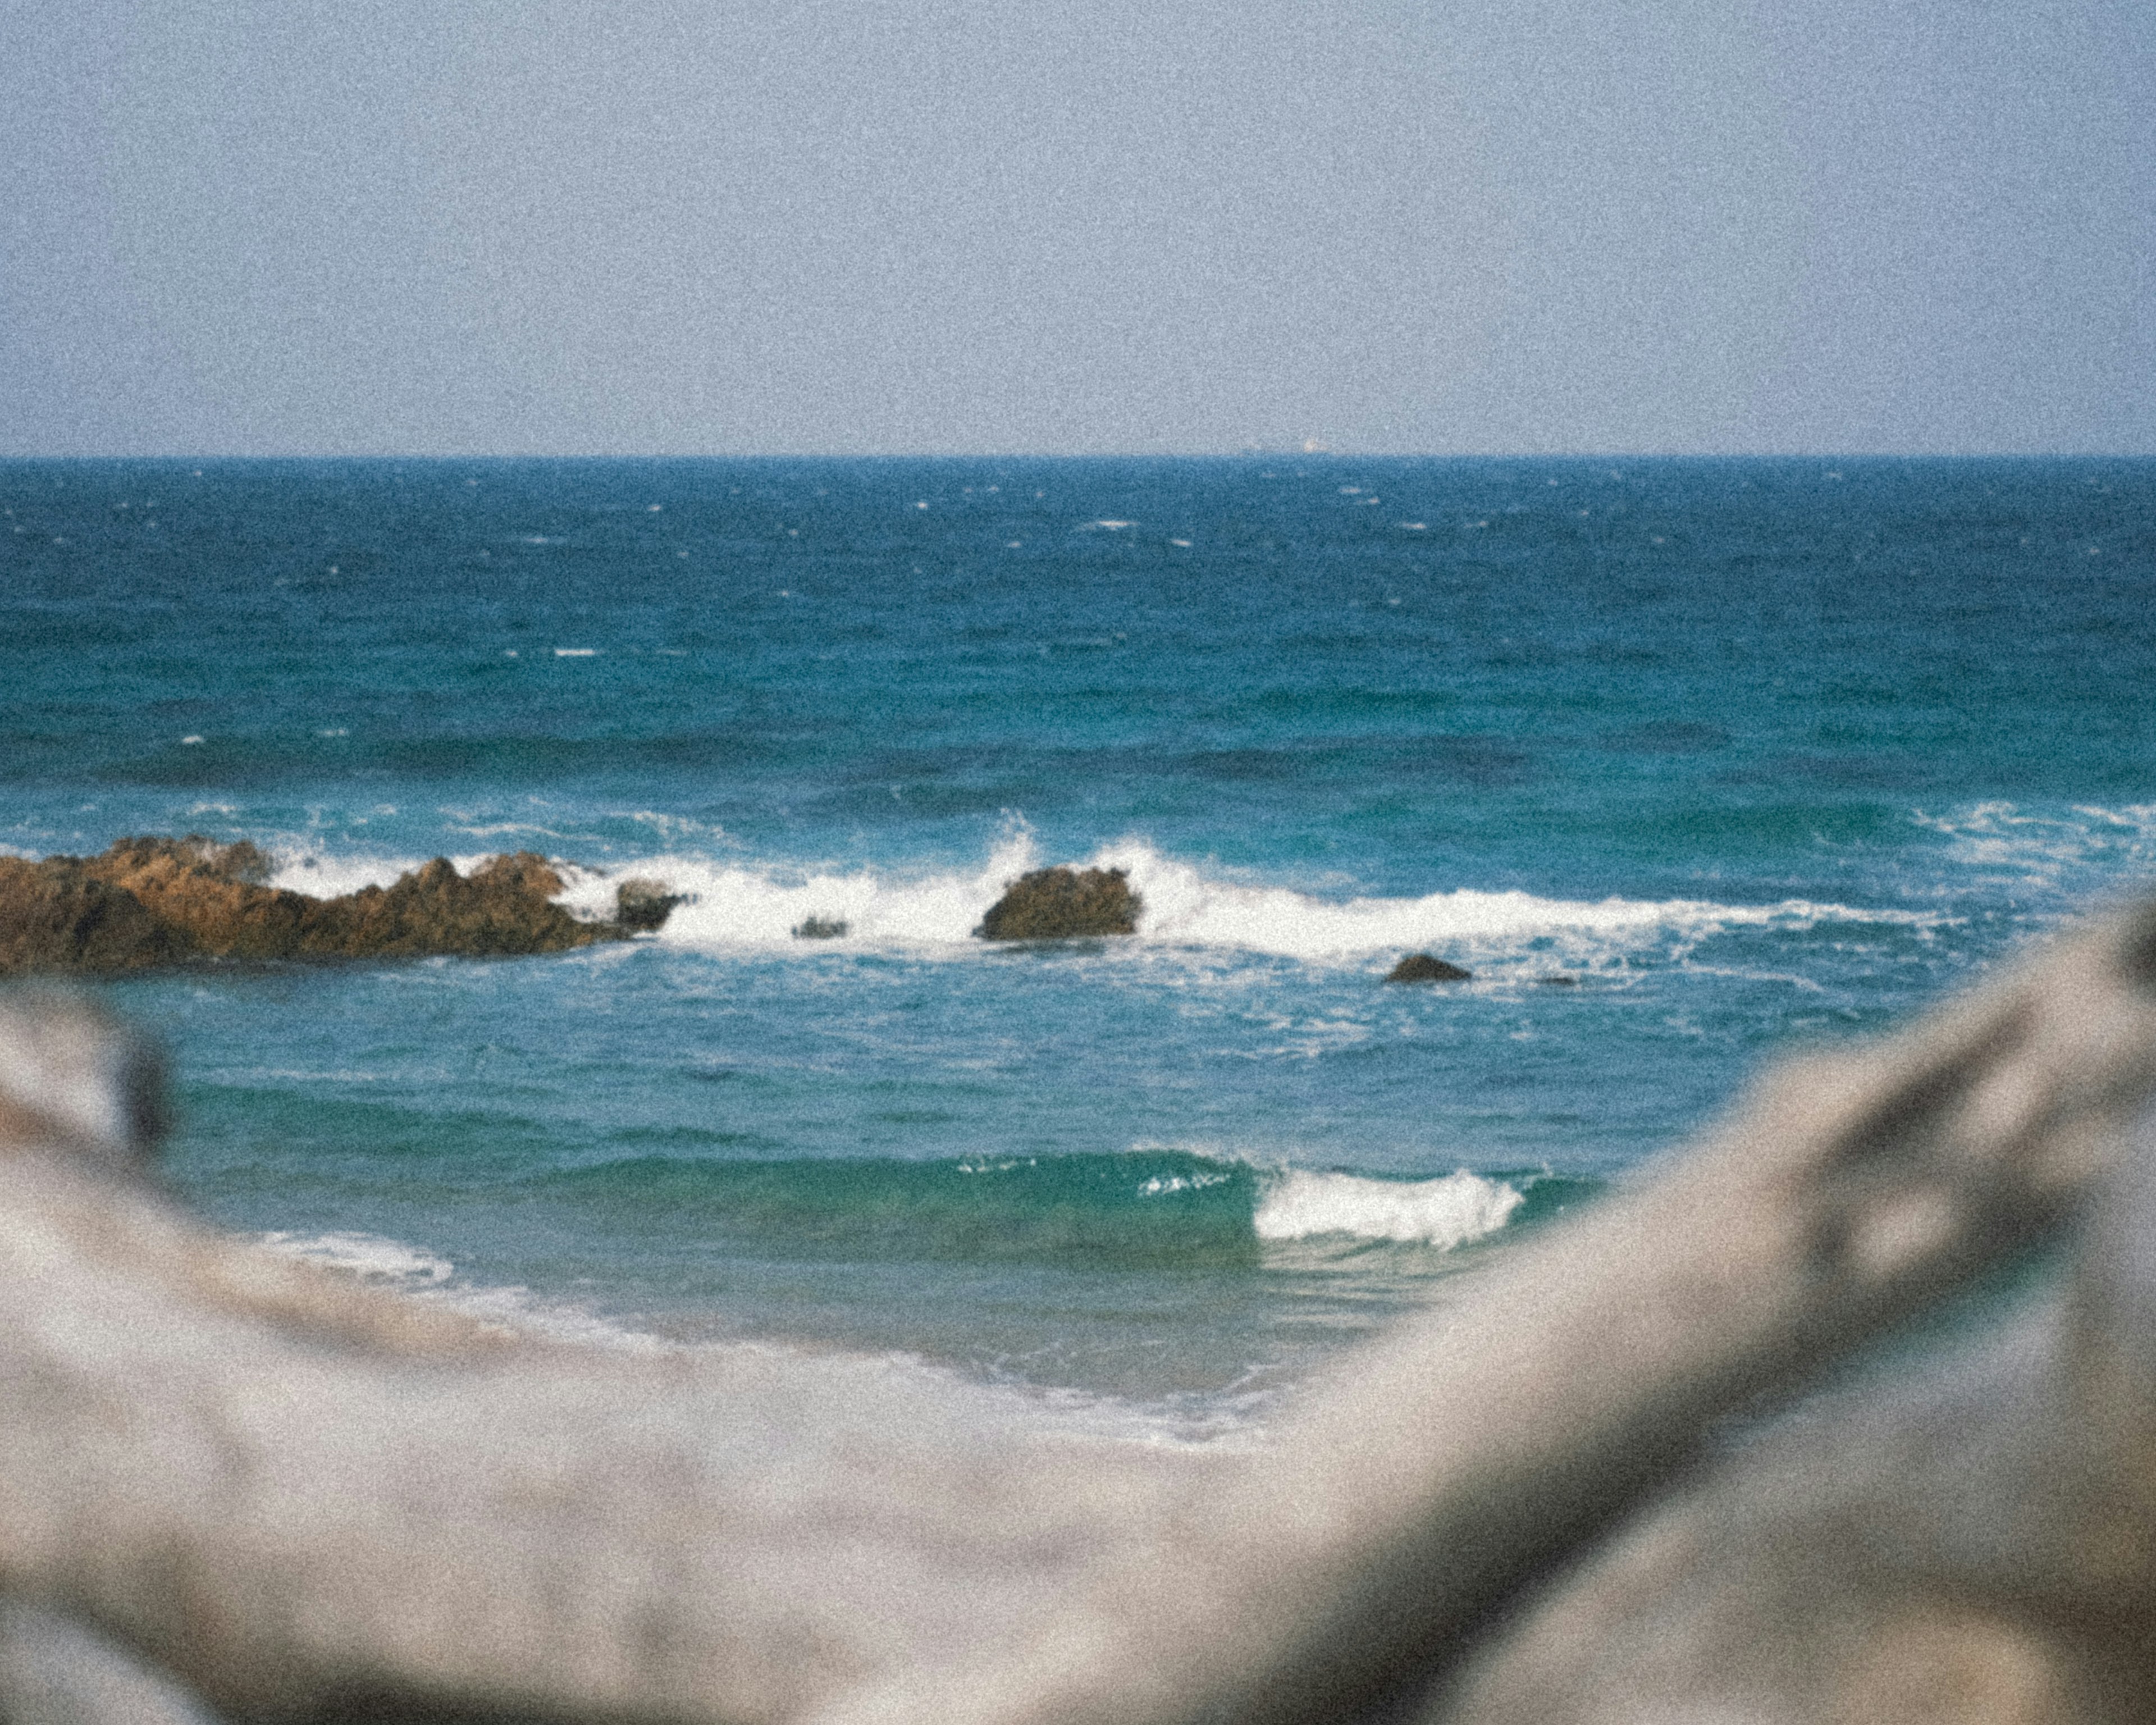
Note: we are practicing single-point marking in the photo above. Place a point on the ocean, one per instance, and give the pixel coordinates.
(1690, 762)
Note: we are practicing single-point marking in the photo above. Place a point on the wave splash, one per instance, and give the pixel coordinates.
(1138, 1210)
(748, 905)
(1443, 1213)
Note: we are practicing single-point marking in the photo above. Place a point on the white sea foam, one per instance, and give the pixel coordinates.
(1997, 841)
(736, 903)
(1187, 903)
(745, 905)
(325, 873)
(1303, 1205)
(411, 1269)
(372, 1257)
(306, 867)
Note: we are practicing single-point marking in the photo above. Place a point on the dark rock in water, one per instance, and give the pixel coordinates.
(645, 905)
(819, 928)
(152, 901)
(1557, 982)
(1421, 967)
(1061, 904)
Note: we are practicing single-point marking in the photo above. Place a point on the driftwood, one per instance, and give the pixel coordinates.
(305, 1498)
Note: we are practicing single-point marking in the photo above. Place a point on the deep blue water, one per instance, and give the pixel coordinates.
(1759, 751)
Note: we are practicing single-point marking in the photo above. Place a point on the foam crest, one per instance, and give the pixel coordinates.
(1303, 1204)
(1185, 904)
(738, 904)
(2051, 847)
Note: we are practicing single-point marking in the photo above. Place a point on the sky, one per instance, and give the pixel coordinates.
(655, 227)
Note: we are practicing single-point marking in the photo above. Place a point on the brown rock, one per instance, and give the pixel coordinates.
(211, 897)
(501, 910)
(150, 901)
(1421, 967)
(1061, 903)
(55, 917)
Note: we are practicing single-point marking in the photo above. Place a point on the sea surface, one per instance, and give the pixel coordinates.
(1754, 754)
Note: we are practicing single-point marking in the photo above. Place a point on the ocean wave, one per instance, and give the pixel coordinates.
(742, 904)
(1145, 1207)
(1445, 1213)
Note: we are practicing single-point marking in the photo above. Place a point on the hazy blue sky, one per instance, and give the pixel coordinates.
(653, 226)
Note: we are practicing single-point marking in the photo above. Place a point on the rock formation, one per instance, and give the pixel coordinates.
(155, 901)
(1063, 904)
(820, 928)
(1422, 968)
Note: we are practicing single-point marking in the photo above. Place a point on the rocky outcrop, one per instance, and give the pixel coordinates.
(1063, 904)
(1421, 967)
(644, 905)
(54, 917)
(153, 901)
(820, 928)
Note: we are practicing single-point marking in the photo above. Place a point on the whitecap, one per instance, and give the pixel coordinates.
(1304, 1204)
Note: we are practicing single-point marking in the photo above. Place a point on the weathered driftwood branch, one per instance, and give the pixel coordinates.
(1965, 1535)
(305, 1496)
(1479, 1446)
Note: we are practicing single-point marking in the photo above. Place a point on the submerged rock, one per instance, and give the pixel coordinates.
(152, 902)
(1421, 967)
(1558, 982)
(1062, 904)
(820, 928)
(645, 905)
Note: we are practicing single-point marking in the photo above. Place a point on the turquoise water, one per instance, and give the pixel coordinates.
(1758, 752)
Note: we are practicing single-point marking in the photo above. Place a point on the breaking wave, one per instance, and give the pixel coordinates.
(1140, 1209)
(1442, 1213)
(748, 905)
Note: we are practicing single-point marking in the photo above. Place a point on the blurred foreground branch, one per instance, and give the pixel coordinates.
(306, 1498)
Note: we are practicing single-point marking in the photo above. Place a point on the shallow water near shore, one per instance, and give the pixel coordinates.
(1754, 753)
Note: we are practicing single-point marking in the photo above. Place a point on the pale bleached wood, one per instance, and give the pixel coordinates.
(1451, 1463)
(53, 1671)
(299, 1495)
(1963, 1534)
